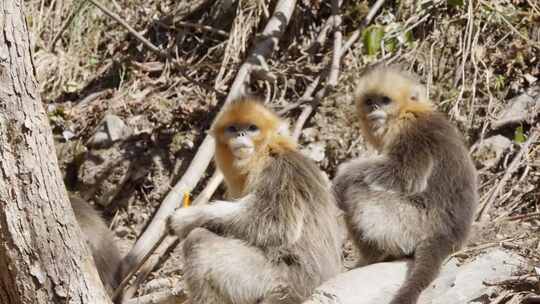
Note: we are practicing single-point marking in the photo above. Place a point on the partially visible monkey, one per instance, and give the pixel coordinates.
(100, 240)
(418, 196)
(280, 239)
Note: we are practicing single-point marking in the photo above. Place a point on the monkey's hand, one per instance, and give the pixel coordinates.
(214, 215)
(184, 220)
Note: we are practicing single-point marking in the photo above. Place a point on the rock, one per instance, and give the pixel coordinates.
(315, 151)
(377, 283)
(67, 134)
(111, 129)
(519, 109)
(490, 151)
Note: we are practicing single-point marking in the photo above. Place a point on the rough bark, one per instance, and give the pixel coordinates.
(42, 256)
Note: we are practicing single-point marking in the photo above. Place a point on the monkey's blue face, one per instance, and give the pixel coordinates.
(242, 139)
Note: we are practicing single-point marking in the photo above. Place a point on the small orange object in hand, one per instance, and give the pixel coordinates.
(186, 200)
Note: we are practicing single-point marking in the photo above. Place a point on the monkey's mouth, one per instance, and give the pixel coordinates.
(243, 152)
(377, 117)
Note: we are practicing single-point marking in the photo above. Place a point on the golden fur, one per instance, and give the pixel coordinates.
(409, 96)
(269, 141)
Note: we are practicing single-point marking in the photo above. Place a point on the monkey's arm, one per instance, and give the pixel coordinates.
(212, 216)
(406, 173)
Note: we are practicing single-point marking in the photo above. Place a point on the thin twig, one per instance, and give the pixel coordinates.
(68, 21)
(203, 28)
(512, 27)
(483, 212)
(139, 37)
(367, 20)
(157, 228)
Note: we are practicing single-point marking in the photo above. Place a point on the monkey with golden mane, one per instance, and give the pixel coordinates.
(279, 239)
(417, 197)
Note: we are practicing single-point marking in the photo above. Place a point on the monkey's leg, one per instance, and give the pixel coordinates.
(428, 258)
(370, 253)
(224, 270)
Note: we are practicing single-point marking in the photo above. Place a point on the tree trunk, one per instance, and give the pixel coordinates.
(43, 258)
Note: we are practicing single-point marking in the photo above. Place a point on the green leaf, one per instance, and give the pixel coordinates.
(519, 137)
(409, 38)
(455, 2)
(391, 45)
(372, 37)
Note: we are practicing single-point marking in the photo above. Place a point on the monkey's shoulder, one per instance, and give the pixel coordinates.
(429, 130)
(293, 174)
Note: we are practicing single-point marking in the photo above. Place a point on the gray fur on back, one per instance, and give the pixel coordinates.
(443, 210)
(294, 221)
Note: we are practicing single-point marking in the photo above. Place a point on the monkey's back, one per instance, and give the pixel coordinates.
(450, 198)
(300, 230)
(100, 240)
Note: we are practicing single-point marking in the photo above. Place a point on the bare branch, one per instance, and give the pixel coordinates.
(211, 187)
(149, 265)
(338, 37)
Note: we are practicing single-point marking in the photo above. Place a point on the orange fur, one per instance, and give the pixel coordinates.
(268, 142)
(409, 100)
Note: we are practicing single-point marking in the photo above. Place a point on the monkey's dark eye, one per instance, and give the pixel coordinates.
(231, 129)
(253, 128)
(369, 101)
(386, 100)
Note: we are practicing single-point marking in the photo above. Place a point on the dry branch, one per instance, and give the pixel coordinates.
(149, 265)
(211, 187)
(338, 37)
(157, 228)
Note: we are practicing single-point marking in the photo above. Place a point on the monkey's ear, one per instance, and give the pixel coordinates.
(283, 128)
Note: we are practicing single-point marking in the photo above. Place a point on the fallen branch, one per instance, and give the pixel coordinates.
(157, 228)
(149, 265)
